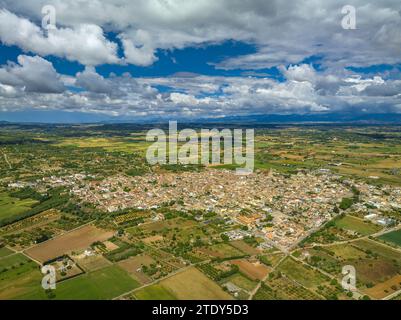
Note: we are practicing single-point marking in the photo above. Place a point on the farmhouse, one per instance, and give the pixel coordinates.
(232, 288)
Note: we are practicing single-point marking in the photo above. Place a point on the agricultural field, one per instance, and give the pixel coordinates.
(343, 228)
(31, 222)
(5, 252)
(242, 282)
(19, 277)
(264, 293)
(245, 248)
(51, 208)
(135, 265)
(271, 259)
(383, 289)
(310, 278)
(31, 236)
(222, 251)
(105, 283)
(201, 288)
(129, 145)
(378, 267)
(73, 241)
(255, 270)
(132, 216)
(167, 225)
(154, 292)
(176, 287)
(301, 273)
(393, 237)
(91, 263)
(124, 251)
(328, 234)
(357, 225)
(363, 153)
(11, 207)
(284, 288)
(374, 247)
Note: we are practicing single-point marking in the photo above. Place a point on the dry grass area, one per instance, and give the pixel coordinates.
(385, 288)
(254, 270)
(192, 284)
(110, 246)
(134, 264)
(168, 224)
(246, 248)
(92, 263)
(153, 239)
(76, 240)
(222, 250)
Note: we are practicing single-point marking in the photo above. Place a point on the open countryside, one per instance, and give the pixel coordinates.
(105, 218)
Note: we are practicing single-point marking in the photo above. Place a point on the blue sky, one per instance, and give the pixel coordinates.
(197, 59)
(178, 60)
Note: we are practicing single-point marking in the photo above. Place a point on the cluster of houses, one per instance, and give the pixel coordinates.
(282, 209)
(297, 203)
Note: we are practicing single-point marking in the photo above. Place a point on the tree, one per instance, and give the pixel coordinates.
(225, 237)
(346, 203)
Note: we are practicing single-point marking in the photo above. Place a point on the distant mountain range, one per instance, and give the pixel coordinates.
(70, 118)
(314, 118)
(385, 118)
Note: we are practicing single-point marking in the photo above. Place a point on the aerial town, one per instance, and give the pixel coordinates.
(94, 210)
(282, 210)
(246, 151)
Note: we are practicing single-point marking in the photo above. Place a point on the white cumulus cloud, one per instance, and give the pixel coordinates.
(84, 43)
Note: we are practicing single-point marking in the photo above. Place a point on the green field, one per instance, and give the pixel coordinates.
(382, 250)
(154, 292)
(102, 284)
(129, 145)
(306, 276)
(24, 283)
(357, 225)
(287, 289)
(392, 237)
(10, 206)
(19, 277)
(264, 293)
(5, 252)
(13, 261)
(223, 250)
(241, 281)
